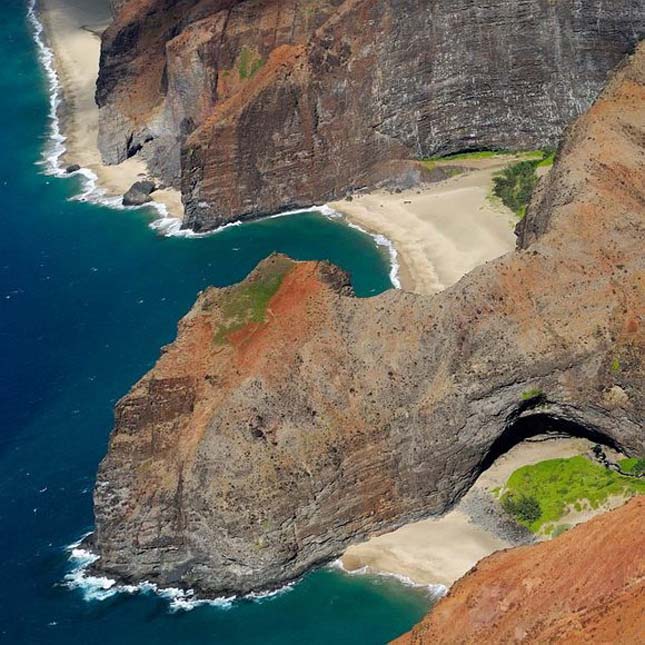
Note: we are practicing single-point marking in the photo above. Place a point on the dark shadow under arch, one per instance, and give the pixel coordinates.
(539, 424)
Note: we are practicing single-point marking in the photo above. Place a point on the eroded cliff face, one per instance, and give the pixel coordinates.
(260, 105)
(587, 586)
(289, 418)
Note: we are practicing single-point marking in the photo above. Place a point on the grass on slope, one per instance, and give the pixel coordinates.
(558, 484)
(247, 302)
(537, 155)
(633, 465)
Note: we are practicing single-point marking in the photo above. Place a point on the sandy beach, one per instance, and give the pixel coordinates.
(441, 231)
(73, 29)
(441, 550)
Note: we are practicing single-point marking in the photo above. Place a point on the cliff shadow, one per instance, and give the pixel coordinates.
(536, 425)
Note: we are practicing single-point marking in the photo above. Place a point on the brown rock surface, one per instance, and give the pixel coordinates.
(260, 105)
(289, 419)
(587, 586)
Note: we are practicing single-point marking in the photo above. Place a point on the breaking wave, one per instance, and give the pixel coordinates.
(91, 191)
(99, 588)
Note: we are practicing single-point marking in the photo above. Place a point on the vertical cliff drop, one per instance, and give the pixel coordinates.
(289, 418)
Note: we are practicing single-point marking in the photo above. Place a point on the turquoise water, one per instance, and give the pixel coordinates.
(87, 297)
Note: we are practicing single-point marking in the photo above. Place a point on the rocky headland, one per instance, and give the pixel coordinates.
(586, 586)
(256, 106)
(290, 419)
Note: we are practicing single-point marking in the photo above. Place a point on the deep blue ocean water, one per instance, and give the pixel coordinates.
(88, 295)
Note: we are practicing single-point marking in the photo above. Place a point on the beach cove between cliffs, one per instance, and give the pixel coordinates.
(434, 234)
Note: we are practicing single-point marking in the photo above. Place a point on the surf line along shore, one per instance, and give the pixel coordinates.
(72, 30)
(440, 231)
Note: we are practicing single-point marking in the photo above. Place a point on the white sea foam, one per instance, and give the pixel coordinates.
(381, 240)
(55, 148)
(92, 192)
(435, 590)
(99, 588)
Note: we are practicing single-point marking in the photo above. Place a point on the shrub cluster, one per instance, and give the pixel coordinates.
(515, 185)
(524, 507)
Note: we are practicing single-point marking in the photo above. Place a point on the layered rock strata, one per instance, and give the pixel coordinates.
(260, 105)
(289, 419)
(587, 586)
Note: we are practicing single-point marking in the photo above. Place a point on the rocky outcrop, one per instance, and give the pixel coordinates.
(139, 193)
(289, 419)
(587, 586)
(262, 105)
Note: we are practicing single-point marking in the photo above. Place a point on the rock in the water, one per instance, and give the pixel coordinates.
(72, 168)
(289, 419)
(139, 193)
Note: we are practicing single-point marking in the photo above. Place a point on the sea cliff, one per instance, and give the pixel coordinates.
(290, 419)
(259, 106)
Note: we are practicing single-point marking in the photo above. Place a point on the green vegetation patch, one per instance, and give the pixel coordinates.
(247, 302)
(535, 155)
(554, 485)
(533, 393)
(515, 185)
(633, 465)
(547, 159)
(248, 64)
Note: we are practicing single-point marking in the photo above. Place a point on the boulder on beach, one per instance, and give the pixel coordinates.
(72, 168)
(139, 193)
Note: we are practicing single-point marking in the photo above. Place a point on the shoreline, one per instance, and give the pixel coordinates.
(103, 184)
(425, 256)
(438, 551)
(443, 230)
(68, 41)
(428, 250)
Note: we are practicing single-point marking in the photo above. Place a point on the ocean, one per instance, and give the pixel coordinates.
(88, 295)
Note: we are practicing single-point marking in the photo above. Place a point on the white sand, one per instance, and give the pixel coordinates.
(72, 28)
(441, 550)
(441, 231)
(430, 552)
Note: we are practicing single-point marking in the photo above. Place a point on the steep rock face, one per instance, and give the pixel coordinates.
(587, 586)
(164, 65)
(289, 418)
(262, 105)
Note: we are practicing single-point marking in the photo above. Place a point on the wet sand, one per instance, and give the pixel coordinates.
(73, 29)
(441, 550)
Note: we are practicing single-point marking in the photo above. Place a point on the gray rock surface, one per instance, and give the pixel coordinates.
(139, 193)
(258, 106)
(289, 419)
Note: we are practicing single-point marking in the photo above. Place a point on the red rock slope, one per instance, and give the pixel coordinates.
(587, 586)
(289, 419)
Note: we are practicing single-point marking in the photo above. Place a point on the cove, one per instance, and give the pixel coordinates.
(88, 295)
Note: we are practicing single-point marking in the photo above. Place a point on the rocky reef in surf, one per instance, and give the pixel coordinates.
(256, 106)
(586, 586)
(289, 418)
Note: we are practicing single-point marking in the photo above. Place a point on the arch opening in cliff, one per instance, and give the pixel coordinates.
(545, 425)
